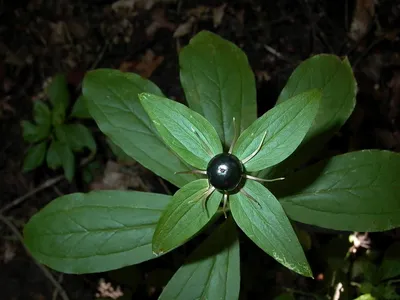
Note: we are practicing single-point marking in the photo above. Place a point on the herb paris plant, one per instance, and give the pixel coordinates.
(51, 127)
(105, 230)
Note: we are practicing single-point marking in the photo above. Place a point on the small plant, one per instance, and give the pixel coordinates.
(50, 136)
(218, 153)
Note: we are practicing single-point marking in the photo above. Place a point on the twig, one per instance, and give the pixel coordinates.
(167, 190)
(57, 291)
(338, 290)
(96, 62)
(46, 272)
(48, 183)
(277, 54)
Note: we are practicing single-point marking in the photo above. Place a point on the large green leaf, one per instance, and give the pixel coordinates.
(285, 126)
(357, 191)
(334, 77)
(267, 225)
(35, 156)
(112, 99)
(76, 136)
(185, 215)
(95, 232)
(59, 154)
(186, 132)
(58, 94)
(390, 266)
(218, 83)
(212, 270)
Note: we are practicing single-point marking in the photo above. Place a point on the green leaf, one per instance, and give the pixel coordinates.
(185, 216)
(390, 266)
(59, 154)
(218, 83)
(42, 114)
(79, 110)
(33, 133)
(186, 132)
(267, 225)
(76, 136)
(366, 297)
(357, 191)
(285, 127)
(35, 156)
(212, 270)
(118, 152)
(112, 98)
(58, 94)
(95, 232)
(334, 77)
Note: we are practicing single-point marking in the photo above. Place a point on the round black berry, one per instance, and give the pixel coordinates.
(225, 172)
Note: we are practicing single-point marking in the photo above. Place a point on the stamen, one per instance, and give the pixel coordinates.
(250, 197)
(235, 137)
(204, 196)
(256, 151)
(192, 172)
(224, 204)
(262, 179)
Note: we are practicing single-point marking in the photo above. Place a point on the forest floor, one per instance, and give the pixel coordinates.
(40, 38)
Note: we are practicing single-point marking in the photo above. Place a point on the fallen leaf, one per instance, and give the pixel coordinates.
(363, 17)
(185, 28)
(145, 67)
(159, 22)
(117, 177)
(218, 14)
(9, 252)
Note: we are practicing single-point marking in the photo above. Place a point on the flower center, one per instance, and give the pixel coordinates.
(225, 172)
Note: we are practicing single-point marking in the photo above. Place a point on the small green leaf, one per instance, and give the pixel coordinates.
(34, 133)
(357, 191)
(285, 127)
(42, 114)
(112, 98)
(95, 232)
(218, 83)
(390, 266)
(35, 156)
(76, 136)
(212, 270)
(185, 216)
(267, 225)
(334, 77)
(58, 94)
(79, 110)
(186, 132)
(59, 154)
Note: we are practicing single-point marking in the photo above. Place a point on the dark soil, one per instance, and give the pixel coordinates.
(40, 38)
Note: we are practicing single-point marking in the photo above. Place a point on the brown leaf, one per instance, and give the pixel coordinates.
(159, 22)
(145, 67)
(218, 15)
(363, 17)
(115, 177)
(185, 28)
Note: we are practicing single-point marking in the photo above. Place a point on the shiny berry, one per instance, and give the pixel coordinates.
(225, 172)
